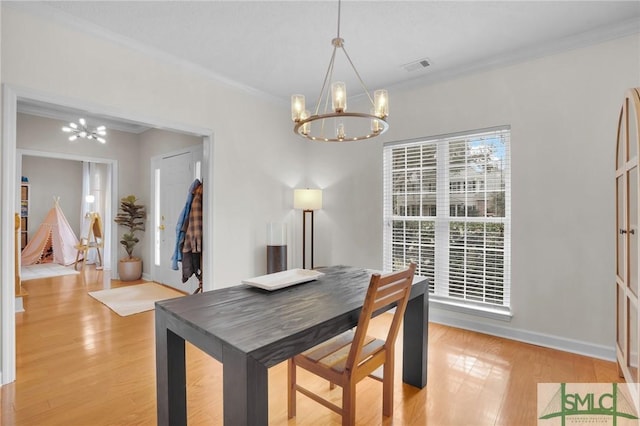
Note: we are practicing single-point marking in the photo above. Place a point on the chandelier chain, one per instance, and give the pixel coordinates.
(339, 9)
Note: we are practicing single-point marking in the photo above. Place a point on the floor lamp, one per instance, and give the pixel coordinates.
(307, 200)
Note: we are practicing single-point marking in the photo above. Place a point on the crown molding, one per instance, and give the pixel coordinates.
(44, 11)
(577, 41)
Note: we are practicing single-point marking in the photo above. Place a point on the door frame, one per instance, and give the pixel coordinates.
(109, 247)
(154, 164)
(11, 94)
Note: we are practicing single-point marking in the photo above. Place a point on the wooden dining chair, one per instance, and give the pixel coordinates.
(350, 357)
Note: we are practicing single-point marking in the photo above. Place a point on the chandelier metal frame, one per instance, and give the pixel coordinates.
(303, 120)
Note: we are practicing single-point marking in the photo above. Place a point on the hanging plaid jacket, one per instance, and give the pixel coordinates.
(181, 227)
(193, 235)
(192, 249)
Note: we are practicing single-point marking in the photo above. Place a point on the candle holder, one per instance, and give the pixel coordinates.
(276, 247)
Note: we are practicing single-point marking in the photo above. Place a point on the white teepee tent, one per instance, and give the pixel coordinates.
(54, 233)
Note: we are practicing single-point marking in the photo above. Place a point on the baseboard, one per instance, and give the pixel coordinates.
(540, 339)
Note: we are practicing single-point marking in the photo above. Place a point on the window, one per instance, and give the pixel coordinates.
(447, 207)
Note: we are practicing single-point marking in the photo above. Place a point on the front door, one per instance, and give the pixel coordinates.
(173, 174)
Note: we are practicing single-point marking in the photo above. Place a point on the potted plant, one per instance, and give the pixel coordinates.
(131, 216)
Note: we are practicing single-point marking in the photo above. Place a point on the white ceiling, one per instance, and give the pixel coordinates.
(277, 48)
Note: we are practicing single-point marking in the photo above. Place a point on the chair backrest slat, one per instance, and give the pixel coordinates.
(383, 291)
(389, 294)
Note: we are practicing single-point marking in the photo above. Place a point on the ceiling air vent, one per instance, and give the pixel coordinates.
(416, 65)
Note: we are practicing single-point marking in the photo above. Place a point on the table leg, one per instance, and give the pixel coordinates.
(415, 333)
(245, 390)
(171, 389)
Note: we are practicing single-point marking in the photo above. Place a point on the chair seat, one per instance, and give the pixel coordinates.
(83, 248)
(88, 245)
(334, 352)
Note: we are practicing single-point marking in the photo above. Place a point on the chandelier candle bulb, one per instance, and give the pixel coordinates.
(297, 107)
(340, 130)
(339, 96)
(375, 124)
(306, 127)
(381, 104)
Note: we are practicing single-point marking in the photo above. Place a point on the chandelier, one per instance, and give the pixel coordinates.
(82, 131)
(337, 124)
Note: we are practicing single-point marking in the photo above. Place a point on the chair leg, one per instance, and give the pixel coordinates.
(75, 265)
(349, 404)
(84, 258)
(291, 388)
(387, 386)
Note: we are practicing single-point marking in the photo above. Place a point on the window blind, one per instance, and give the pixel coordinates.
(447, 206)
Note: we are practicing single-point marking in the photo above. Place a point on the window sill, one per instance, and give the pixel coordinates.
(501, 314)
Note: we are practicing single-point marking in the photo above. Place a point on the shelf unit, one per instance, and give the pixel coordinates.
(25, 190)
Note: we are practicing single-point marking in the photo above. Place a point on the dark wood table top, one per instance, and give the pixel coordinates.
(272, 326)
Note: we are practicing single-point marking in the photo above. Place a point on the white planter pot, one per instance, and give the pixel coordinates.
(130, 269)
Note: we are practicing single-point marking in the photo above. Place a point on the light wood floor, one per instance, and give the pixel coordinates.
(81, 364)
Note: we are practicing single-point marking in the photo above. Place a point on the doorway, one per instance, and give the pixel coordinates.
(172, 176)
(88, 184)
(9, 198)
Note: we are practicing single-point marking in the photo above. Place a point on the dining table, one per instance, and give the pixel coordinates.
(250, 329)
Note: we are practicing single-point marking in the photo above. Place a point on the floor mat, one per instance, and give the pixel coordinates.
(134, 299)
(45, 270)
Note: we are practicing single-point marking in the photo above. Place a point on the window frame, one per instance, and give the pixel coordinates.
(439, 290)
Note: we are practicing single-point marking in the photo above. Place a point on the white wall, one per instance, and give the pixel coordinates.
(156, 142)
(256, 162)
(45, 135)
(49, 178)
(563, 112)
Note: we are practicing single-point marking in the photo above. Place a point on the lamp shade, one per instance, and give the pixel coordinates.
(307, 199)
